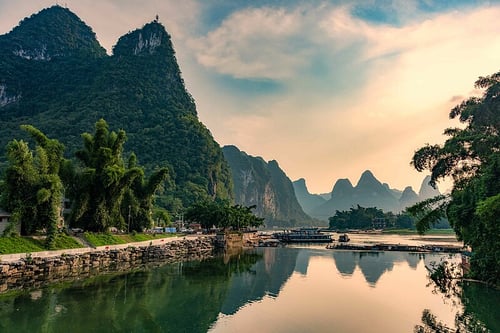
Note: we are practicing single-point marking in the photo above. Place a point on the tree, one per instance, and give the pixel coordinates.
(358, 218)
(221, 214)
(404, 221)
(99, 187)
(471, 157)
(32, 189)
(138, 202)
(161, 217)
(242, 217)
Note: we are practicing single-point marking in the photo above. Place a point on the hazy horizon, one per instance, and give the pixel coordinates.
(328, 89)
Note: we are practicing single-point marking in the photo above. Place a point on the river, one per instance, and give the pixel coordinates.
(289, 289)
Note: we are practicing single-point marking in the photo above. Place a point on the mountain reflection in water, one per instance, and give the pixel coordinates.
(374, 264)
(292, 289)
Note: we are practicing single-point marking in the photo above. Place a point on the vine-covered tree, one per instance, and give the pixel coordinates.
(32, 189)
(99, 187)
(138, 201)
(471, 157)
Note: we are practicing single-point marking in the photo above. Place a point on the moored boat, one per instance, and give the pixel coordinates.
(344, 238)
(304, 235)
(270, 242)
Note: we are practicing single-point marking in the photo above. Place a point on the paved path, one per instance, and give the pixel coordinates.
(47, 254)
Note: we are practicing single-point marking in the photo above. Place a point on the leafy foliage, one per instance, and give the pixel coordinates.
(471, 156)
(32, 39)
(161, 217)
(445, 279)
(99, 188)
(428, 212)
(32, 189)
(138, 202)
(355, 218)
(223, 215)
(363, 218)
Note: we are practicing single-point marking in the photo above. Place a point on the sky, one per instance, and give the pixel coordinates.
(328, 89)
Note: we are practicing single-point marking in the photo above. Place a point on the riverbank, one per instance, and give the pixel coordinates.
(89, 248)
(33, 270)
(64, 241)
(431, 232)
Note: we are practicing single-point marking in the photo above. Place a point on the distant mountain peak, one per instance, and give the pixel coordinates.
(367, 179)
(301, 182)
(307, 200)
(367, 173)
(408, 189)
(426, 190)
(301, 187)
(342, 187)
(408, 198)
(370, 192)
(408, 195)
(53, 32)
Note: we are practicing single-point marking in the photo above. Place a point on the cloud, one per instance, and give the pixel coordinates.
(355, 86)
(264, 43)
(385, 91)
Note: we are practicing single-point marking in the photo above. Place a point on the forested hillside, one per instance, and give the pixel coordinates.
(55, 76)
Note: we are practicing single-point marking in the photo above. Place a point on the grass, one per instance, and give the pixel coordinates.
(96, 239)
(18, 244)
(64, 241)
(130, 238)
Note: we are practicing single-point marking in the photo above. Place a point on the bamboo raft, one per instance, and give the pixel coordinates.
(396, 247)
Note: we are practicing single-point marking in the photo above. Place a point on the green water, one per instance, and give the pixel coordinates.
(297, 289)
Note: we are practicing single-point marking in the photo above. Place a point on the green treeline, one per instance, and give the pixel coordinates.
(471, 157)
(104, 191)
(369, 218)
(101, 188)
(220, 213)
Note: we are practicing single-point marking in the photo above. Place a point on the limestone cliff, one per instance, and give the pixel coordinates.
(265, 185)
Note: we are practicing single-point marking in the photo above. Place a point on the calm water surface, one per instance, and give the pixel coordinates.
(292, 289)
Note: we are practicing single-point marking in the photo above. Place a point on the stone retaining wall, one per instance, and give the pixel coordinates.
(35, 272)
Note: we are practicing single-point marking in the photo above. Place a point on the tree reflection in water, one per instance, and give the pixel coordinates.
(180, 297)
(479, 302)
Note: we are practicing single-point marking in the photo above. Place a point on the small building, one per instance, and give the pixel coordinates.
(195, 227)
(4, 220)
(379, 223)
